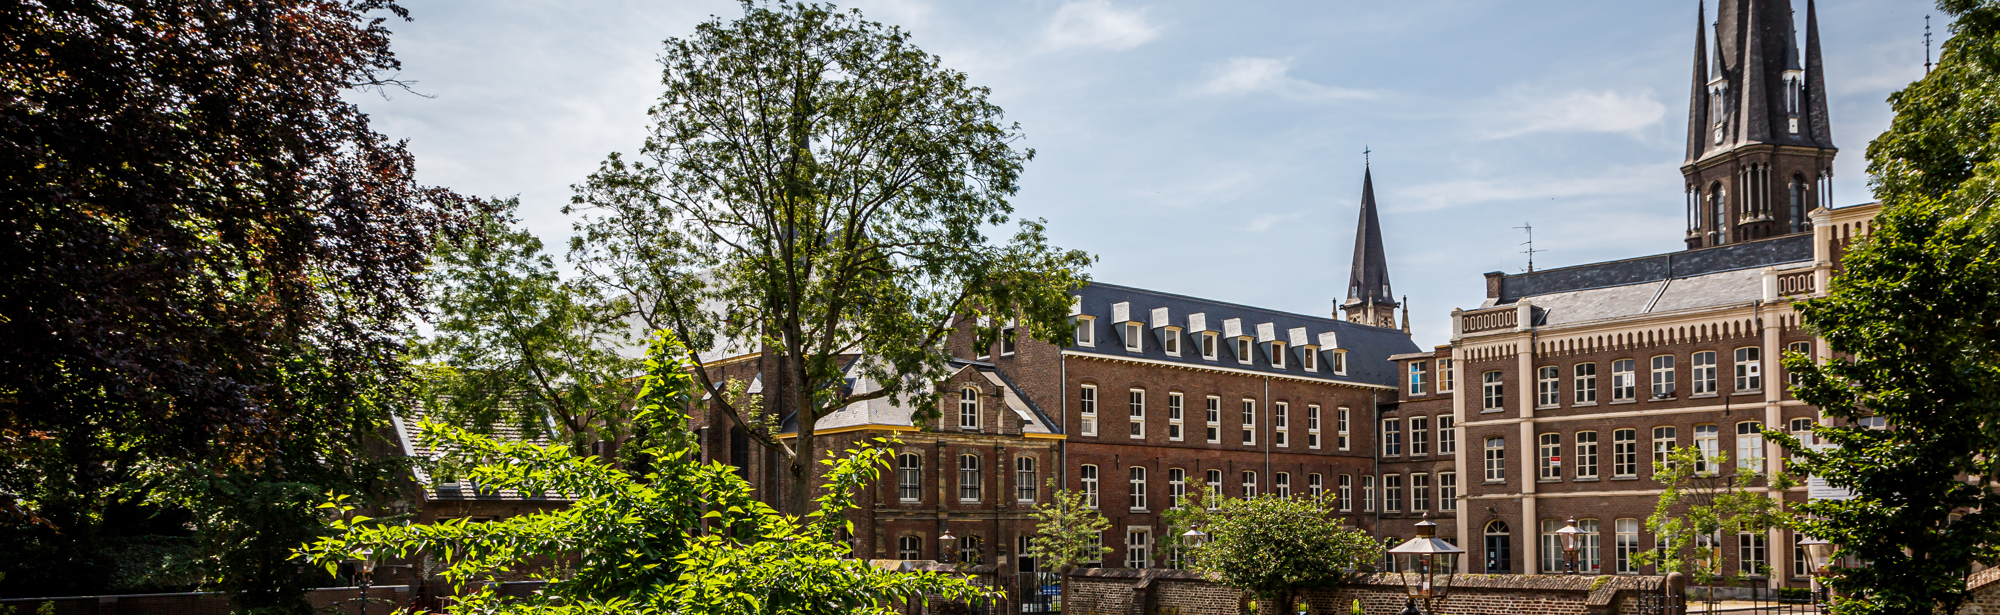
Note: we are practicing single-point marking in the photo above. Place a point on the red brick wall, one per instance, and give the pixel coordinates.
(1173, 592)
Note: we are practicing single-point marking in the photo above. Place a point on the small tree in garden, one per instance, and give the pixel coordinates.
(1274, 547)
(684, 538)
(1705, 499)
(1068, 532)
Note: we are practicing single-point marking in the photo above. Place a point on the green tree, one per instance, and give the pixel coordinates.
(1911, 322)
(685, 537)
(1069, 531)
(514, 342)
(209, 259)
(1274, 547)
(1705, 501)
(816, 187)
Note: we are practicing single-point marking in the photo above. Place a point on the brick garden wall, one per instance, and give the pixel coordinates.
(194, 603)
(1173, 592)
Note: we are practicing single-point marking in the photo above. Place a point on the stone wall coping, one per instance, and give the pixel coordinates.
(1981, 579)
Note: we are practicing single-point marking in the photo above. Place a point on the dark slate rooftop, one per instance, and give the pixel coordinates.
(1368, 348)
(1672, 265)
(439, 490)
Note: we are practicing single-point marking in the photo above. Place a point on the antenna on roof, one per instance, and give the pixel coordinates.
(1531, 245)
(1927, 44)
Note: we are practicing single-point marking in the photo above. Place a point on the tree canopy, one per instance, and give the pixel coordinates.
(1274, 547)
(209, 257)
(817, 187)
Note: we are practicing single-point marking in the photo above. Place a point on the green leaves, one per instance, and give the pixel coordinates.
(1706, 500)
(1067, 532)
(1274, 546)
(684, 538)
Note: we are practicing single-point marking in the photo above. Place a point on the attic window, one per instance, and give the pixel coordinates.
(1340, 362)
(1208, 345)
(1086, 331)
(1278, 355)
(1243, 350)
(1133, 343)
(1171, 341)
(1309, 359)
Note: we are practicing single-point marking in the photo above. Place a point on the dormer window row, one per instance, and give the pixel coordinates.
(1280, 350)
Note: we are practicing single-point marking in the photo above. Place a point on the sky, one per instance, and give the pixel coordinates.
(1212, 149)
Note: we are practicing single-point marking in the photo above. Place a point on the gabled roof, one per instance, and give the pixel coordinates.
(890, 413)
(463, 490)
(1367, 348)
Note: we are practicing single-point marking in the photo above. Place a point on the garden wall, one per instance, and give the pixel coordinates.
(1118, 591)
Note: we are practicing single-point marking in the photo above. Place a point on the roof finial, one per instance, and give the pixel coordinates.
(1364, 144)
(1927, 44)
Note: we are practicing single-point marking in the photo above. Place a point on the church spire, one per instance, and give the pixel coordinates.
(1698, 94)
(1369, 298)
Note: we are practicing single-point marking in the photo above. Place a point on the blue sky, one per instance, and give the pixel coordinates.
(1206, 148)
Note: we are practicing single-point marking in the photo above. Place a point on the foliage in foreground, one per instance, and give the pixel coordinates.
(1273, 547)
(1069, 531)
(1911, 322)
(1705, 500)
(683, 538)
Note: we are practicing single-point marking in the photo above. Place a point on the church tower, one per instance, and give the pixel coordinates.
(1760, 151)
(1369, 300)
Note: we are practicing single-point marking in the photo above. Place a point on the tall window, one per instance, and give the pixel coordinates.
(969, 479)
(1086, 409)
(1447, 434)
(1137, 403)
(1749, 369)
(1024, 563)
(1249, 422)
(909, 477)
(1801, 566)
(1137, 482)
(1281, 424)
(909, 547)
(968, 409)
(1392, 437)
(1420, 492)
(1588, 555)
(1550, 453)
(1368, 493)
(1176, 415)
(1584, 380)
(1708, 440)
(1281, 484)
(1444, 376)
(1249, 484)
(1214, 416)
(1624, 383)
(1315, 485)
(1552, 554)
(1214, 489)
(1803, 348)
(1626, 545)
(1024, 479)
(1496, 459)
(1208, 345)
(1392, 493)
(1625, 453)
(1340, 427)
(1416, 377)
(1703, 373)
(1346, 495)
(1278, 355)
(1493, 390)
(1750, 552)
(1171, 343)
(1663, 376)
(1447, 491)
(1139, 548)
(1312, 426)
(1586, 454)
(1007, 342)
(1243, 350)
(1135, 337)
(1663, 445)
(970, 550)
(1548, 387)
(1750, 446)
(1088, 474)
(1420, 435)
(1309, 359)
(1176, 486)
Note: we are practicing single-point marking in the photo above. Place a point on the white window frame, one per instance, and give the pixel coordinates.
(1309, 358)
(1278, 355)
(1135, 403)
(1496, 459)
(1281, 424)
(1086, 331)
(1340, 416)
(1583, 379)
(909, 478)
(1346, 495)
(1624, 545)
(1493, 391)
(1138, 547)
(1009, 341)
(1368, 493)
(1176, 416)
(1176, 487)
(1025, 487)
(974, 490)
(1753, 549)
(1339, 362)
(1312, 426)
(1417, 378)
(1447, 426)
(1624, 380)
(1249, 422)
(1209, 342)
(1392, 437)
(1701, 368)
(1548, 387)
(968, 408)
(1212, 415)
(1281, 484)
(1249, 484)
(1664, 386)
(1707, 440)
(1420, 435)
(1548, 452)
(1625, 453)
(1445, 379)
(1135, 337)
(1664, 440)
(1586, 454)
(1170, 342)
(1749, 369)
(1245, 349)
(1420, 492)
(1135, 480)
(1212, 479)
(1086, 410)
(1315, 485)
(1447, 491)
(1804, 348)
(910, 547)
(1750, 446)
(1087, 479)
(1392, 493)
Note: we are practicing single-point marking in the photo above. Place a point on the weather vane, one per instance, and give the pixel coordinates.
(1530, 228)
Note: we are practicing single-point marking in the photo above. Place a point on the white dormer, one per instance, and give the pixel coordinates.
(1329, 349)
(1205, 339)
(1076, 305)
(1239, 339)
(1274, 348)
(1130, 331)
(1165, 331)
(1302, 346)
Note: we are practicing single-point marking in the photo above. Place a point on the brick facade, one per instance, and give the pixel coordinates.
(1172, 592)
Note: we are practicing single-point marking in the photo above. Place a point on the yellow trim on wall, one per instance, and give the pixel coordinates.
(854, 428)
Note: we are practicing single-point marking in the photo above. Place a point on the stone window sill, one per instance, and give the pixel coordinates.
(1702, 396)
(1582, 479)
(1548, 480)
(1624, 401)
(1624, 478)
(1583, 404)
(1749, 392)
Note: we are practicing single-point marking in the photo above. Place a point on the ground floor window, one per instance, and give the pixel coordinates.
(909, 547)
(1138, 548)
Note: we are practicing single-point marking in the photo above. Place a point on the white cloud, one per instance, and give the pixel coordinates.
(1096, 23)
(1268, 75)
(1462, 192)
(1524, 111)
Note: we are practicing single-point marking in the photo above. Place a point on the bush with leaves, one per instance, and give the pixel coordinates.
(683, 538)
(1274, 547)
(1068, 533)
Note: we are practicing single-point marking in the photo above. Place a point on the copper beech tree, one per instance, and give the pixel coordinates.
(815, 187)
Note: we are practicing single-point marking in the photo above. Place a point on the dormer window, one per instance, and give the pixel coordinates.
(1170, 341)
(1309, 358)
(1243, 350)
(1133, 341)
(1208, 343)
(1007, 341)
(1278, 355)
(1340, 362)
(1086, 331)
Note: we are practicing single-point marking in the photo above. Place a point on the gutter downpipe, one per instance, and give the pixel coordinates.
(1270, 431)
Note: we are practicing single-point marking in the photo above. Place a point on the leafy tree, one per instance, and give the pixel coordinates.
(684, 538)
(516, 343)
(209, 256)
(1704, 500)
(816, 187)
(1911, 320)
(1069, 531)
(1275, 547)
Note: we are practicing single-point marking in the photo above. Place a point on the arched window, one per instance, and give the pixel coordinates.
(909, 547)
(1797, 211)
(968, 478)
(968, 409)
(1718, 207)
(1499, 548)
(909, 477)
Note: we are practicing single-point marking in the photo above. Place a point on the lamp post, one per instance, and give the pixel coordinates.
(1819, 552)
(945, 541)
(364, 572)
(1192, 539)
(1568, 534)
(1427, 557)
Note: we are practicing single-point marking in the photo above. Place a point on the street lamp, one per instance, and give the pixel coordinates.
(1568, 534)
(1819, 552)
(364, 572)
(1427, 556)
(944, 546)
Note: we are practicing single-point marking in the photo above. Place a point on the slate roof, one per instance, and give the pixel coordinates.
(888, 411)
(1693, 279)
(462, 490)
(1368, 348)
(1368, 276)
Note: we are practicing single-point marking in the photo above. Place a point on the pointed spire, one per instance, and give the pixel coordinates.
(1822, 134)
(1755, 119)
(1698, 94)
(1406, 314)
(1368, 280)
